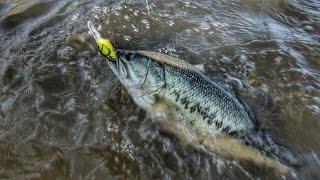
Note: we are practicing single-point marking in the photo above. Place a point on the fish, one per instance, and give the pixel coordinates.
(171, 89)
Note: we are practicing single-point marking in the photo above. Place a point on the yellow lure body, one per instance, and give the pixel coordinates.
(106, 48)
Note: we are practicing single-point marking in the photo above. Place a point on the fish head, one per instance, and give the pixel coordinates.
(143, 78)
(131, 68)
(136, 70)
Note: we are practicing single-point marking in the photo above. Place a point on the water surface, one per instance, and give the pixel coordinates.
(64, 115)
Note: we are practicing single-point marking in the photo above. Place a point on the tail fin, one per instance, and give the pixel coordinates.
(264, 143)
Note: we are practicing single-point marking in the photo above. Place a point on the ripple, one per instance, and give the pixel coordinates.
(25, 11)
(64, 114)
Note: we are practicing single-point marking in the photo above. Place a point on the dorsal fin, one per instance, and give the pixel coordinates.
(166, 59)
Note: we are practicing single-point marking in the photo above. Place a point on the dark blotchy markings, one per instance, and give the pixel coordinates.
(226, 129)
(194, 108)
(209, 121)
(185, 102)
(218, 124)
(177, 94)
(204, 113)
(211, 118)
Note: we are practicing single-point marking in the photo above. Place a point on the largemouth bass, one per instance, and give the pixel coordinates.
(168, 87)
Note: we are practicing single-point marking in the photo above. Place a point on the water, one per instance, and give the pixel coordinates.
(64, 115)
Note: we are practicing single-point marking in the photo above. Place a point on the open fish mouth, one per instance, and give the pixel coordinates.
(120, 68)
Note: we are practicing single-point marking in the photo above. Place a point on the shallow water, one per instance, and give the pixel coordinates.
(64, 115)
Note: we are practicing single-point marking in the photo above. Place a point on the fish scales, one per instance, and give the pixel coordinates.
(209, 107)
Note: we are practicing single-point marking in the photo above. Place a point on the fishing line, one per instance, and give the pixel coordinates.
(148, 6)
(265, 31)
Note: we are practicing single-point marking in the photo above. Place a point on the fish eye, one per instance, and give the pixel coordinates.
(130, 56)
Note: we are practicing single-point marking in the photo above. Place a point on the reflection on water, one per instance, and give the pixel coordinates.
(64, 114)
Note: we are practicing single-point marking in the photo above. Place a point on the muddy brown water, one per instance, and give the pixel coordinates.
(64, 115)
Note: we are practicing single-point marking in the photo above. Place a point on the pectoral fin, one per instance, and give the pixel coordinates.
(160, 105)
